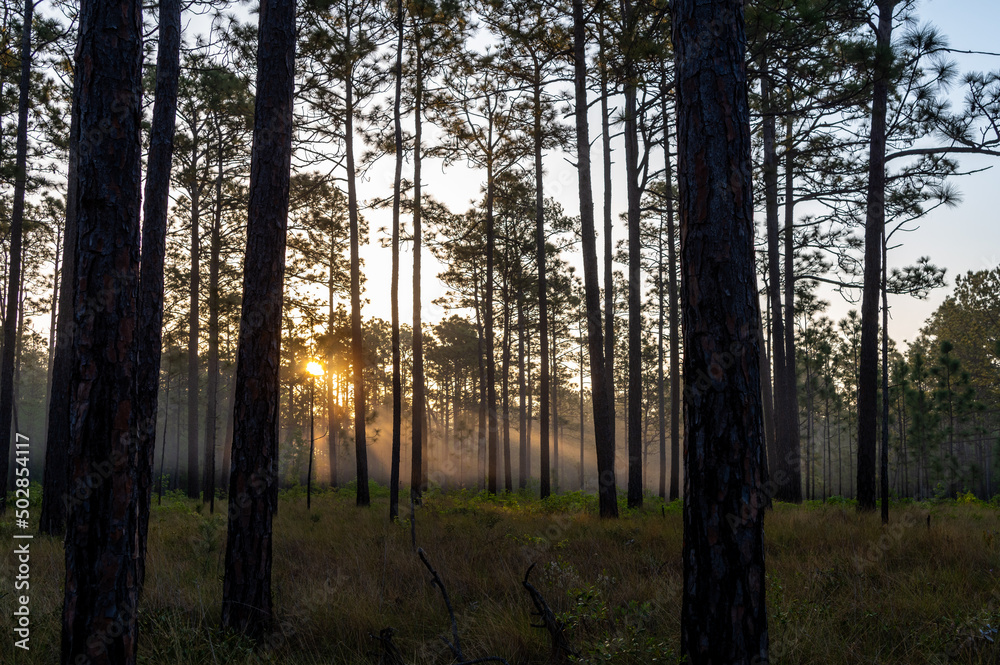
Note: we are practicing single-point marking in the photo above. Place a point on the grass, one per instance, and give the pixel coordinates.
(841, 588)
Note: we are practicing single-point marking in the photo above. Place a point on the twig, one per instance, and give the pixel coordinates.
(556, 628)
(390, 654)
(456, 648)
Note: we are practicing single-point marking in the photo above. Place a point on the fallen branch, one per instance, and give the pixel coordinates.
(454, 645)
(390, 654)
(560, 645)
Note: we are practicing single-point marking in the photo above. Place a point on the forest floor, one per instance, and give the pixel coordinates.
(841, 587)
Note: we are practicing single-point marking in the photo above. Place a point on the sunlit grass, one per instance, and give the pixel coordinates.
(842, 588)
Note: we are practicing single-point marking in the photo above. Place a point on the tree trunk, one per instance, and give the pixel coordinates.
(884, 462)
(212, 403)
(100, 613)
(609, 279)
(505, 393)
(660, 383)
(545, 488)
(788, 487)
(675, 336)
(357, 339)
(522, 421)
(418, 480)
(54, 489)
(154, 234)
(163, 445)
(874, 228)
(227, 443)
(723, 616)
(491, 386)
(793, 453)
(555, 409)
(634, 278)
(253, 495)
(312, 440)
(601, 386)
(193, 333)
(480, 357)
(332, 416)
(397, 384)
(14, 271)
(53, 310)
(531, 397)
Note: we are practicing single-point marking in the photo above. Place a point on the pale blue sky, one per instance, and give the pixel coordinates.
(966, 237)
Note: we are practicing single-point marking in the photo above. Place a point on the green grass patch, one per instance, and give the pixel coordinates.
(841, 587)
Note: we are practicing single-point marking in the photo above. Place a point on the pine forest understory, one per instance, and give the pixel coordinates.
(328, 323)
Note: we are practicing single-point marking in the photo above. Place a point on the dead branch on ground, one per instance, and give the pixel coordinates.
(561, 649)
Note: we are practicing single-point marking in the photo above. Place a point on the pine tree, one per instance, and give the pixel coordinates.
(246, 601)
(100, 607)
(724, 614)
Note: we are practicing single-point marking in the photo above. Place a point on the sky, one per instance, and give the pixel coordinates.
(963, 238)
(966, 237)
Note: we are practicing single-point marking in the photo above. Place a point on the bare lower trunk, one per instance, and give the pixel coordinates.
(522, 420)
(723, 614)
(357, 341)
(874, 228)
(418, 479)
(53, 514)
(246, 589)
(193, 333)
(154, 232)
(602, 397)
(397, 384)
(491, 387)
(634, 284)
(101, 547)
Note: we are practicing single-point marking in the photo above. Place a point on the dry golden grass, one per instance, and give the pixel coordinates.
(842, 589)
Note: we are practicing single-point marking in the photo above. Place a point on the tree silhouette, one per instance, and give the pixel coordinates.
(253, 489)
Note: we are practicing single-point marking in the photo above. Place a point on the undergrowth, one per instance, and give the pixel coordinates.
(841, 587)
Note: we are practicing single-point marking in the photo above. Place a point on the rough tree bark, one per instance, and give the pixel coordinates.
(723, 616)
(253, 487)
(100, 618)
